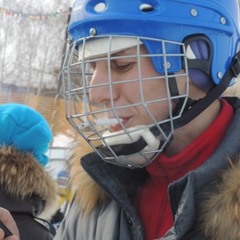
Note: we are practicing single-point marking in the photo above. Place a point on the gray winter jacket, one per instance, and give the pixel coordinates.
(207, 199)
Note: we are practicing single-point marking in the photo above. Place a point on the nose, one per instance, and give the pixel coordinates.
(101, 90)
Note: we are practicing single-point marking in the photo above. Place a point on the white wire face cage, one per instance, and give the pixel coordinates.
(108, 125)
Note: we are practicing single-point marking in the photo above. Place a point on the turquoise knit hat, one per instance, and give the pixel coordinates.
(25, 129)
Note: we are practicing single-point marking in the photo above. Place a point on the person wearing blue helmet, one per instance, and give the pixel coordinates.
(143, 84)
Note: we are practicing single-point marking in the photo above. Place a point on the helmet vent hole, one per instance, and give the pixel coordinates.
(146, 7)
(100, 7)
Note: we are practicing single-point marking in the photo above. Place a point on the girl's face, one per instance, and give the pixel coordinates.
(130, 86)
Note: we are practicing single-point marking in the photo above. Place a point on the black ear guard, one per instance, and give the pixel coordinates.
(202, 64)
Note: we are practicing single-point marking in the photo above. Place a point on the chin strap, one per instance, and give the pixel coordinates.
(123, 149)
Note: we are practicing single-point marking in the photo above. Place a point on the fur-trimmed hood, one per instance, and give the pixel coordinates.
(219, 214)
(21, 176)
(87, 192)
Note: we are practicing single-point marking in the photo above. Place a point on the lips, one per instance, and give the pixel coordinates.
(118, 127)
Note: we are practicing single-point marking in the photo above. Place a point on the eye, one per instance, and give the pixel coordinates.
(121, 67)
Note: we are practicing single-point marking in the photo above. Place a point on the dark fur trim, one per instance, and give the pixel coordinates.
(220, 213)
(21, 176)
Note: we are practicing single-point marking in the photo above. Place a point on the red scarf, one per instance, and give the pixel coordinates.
(152, 202)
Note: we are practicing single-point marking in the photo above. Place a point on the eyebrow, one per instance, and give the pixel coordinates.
(128, 51)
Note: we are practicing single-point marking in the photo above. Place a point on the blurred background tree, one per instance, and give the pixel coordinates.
(33, 37)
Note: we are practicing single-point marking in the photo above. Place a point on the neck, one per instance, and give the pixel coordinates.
(188, 133)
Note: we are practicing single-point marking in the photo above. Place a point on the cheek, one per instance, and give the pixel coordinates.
(158, 110)
(155, 90)
(155, 102)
